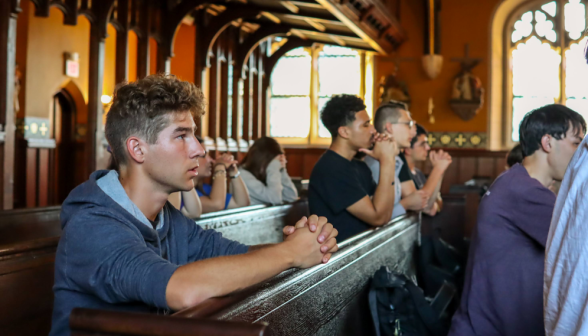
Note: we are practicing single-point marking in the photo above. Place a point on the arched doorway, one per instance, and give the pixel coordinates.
(68, 163)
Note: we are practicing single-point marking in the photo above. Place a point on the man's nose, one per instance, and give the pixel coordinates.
(196, 149)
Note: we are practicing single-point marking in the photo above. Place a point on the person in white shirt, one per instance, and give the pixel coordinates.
(264, 172)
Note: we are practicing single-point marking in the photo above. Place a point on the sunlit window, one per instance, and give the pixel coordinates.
(290, 101)
(339, 73)
(296, 102)
(536, 59)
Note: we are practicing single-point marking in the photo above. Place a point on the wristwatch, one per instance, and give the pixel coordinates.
(236, 175)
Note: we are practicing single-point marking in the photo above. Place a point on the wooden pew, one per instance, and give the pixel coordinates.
(327, 299)
(86, 322)
(262, 225)
(26, 281)
(29, 224)
(26, 265)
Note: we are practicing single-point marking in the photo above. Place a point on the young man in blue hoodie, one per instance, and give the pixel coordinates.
(123, 247)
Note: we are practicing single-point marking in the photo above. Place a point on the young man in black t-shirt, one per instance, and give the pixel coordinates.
(341, 187)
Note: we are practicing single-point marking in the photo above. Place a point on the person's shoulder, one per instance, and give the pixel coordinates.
(325, 164)
(97, 222)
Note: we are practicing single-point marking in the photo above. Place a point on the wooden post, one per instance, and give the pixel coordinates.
(8, 14)
(255, 102)
(213, 97)
(95, 109)
(122, 44)
(262, 120)
(247, 106)
(143, 37)
(199, 62)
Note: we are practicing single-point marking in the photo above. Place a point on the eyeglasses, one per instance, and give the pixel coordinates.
(409, 123)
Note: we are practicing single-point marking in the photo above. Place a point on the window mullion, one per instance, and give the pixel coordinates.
(314, 91)
(562, 48)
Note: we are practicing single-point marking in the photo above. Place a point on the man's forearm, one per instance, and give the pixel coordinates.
(384, 196)
(240, 193)
(433, 185)
(193, 283)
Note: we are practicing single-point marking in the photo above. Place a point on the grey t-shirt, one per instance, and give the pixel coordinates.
(374, 166)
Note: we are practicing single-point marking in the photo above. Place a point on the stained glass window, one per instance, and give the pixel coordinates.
(537, 54)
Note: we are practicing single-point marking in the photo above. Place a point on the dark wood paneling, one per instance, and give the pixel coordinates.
(31, 177)
(43, 172)
(466, 164)
(467, 168)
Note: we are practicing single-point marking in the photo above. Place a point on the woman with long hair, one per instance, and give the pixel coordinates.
(264, 173)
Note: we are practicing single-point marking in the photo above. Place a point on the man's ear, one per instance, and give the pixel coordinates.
(547, 143)
(343, 132)
(388, 127)
(136, 148)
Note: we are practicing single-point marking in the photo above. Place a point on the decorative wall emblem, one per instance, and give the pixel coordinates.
(457, 140)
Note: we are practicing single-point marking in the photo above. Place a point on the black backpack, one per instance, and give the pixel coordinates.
(399, 307)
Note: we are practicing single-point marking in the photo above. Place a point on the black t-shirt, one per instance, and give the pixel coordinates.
(335, 184)
(404, 174)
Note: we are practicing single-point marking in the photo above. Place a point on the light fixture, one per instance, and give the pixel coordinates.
(106, 99)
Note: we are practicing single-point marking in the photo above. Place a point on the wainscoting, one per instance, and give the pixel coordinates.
(467, 164)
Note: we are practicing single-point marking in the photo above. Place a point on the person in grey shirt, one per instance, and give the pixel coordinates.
(264, 172)
(393, 118)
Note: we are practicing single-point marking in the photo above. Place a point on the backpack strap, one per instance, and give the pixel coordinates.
(426, 313)
(373, 302)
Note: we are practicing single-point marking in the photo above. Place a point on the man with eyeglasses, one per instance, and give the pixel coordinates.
(420, 151)
(393, 119)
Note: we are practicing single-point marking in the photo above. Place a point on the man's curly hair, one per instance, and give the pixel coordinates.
(143, 108)
(340, 111)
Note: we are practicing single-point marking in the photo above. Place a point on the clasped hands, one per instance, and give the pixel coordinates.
(314, 233)
(385, 147)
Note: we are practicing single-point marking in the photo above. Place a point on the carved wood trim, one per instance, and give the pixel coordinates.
(251, 42)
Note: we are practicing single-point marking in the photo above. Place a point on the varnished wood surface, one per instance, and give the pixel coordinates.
(100, 322)
(28, 224)
(325, 299)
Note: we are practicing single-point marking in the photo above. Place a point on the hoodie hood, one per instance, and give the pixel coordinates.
(89, 195)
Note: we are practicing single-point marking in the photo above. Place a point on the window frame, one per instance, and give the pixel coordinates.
(313, 139)
(563, 44)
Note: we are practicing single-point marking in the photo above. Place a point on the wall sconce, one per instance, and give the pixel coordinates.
(106, 99)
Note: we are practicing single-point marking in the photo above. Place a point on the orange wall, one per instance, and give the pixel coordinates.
(109, 62)
(132, 56)
(462, 21)
(182, 64)
(152, 56)
(48, 39)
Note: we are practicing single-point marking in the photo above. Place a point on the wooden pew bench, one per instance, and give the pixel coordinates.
(29, 224)
(27, 265)
(327, 299)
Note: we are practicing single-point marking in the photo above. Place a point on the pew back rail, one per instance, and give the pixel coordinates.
(326, 299)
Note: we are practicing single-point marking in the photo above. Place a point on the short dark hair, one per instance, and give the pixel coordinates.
(388, 112)
(554, 119)
(420, 130)
(515, 156)
(143, 107)
(340, 111)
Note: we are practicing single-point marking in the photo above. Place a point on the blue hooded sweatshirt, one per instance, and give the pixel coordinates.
(110, 257)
